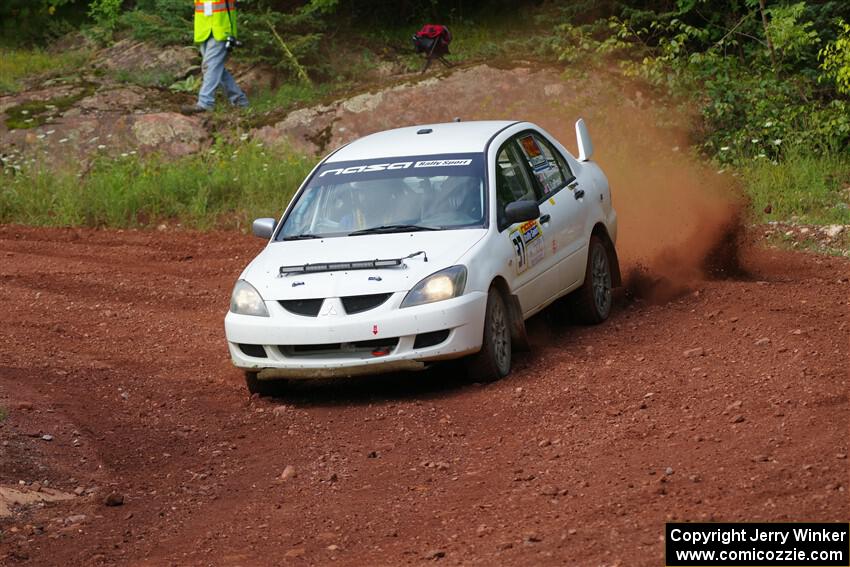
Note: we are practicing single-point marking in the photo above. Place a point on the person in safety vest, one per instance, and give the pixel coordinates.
(215, 36)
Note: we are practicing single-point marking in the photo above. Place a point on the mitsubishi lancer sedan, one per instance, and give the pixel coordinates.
(423, 244)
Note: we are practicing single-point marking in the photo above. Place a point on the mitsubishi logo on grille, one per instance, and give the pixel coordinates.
(328, 309)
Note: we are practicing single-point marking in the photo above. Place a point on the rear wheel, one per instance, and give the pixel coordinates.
(261, 387)
(592, 301)
(493, 361)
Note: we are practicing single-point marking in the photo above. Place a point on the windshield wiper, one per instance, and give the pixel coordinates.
(301, 236)
(393, 228)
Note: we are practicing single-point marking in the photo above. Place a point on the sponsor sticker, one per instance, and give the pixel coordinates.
(393, 166)
(533, 154)
(443, 163)
(528, 245)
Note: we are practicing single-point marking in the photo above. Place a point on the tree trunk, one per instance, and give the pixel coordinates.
(767, 37)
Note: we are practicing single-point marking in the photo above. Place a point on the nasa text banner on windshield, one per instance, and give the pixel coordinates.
(471, 164)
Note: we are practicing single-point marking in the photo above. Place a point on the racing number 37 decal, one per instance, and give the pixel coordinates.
(528, 245)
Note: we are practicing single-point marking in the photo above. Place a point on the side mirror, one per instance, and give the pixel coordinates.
(585, 146)
(521, 211)
(264, 228)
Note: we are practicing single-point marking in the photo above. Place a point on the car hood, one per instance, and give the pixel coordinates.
(442, 248)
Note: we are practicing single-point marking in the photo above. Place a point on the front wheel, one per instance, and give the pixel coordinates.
(592, 301)
(493, 361)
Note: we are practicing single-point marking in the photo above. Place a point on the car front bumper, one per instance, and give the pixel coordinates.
(383, 339)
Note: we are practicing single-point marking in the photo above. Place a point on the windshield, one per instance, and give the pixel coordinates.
(390, 195)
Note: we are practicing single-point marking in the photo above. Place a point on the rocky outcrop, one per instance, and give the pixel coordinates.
(69, 125)
(70, 122)
(482, 92)
(123, 99)
(171, 133)
(139, 57)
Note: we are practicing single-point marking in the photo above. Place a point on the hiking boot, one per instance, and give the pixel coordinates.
(189, 110)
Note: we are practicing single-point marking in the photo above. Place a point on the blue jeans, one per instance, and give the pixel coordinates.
(215, 75)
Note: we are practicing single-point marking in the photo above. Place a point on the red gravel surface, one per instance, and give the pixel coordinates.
(728, 403)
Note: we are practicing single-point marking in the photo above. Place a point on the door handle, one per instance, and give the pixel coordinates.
(579, 194)
(545, 218)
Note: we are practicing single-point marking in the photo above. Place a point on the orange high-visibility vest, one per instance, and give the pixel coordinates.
(213, 17)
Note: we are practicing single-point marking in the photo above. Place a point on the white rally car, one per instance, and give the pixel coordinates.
(421, 244)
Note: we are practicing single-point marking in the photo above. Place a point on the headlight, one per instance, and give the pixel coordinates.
(441, 285)
(247, 301)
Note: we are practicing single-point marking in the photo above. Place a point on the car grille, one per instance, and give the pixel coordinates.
(305, 307)
(376, 347)
(360, 303)
(352, 304)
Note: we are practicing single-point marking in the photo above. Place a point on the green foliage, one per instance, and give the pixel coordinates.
(105, 14)
(286, 97)
(144, 77)
(747, 116)
(750, 110)
(164, 22)
(792, 37)
(299, 34)
(31, 21)
(190, 84)
(225, 186)
(836, 59)
(813, 189)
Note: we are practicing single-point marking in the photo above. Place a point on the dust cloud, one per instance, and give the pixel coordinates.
(680, 221)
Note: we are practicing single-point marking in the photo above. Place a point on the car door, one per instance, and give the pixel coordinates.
(514, 183)
(561, 210)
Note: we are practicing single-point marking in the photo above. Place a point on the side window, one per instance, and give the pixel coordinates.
(546, 163)
(512, 181)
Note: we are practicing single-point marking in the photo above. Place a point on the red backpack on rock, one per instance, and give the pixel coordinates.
(433, 40)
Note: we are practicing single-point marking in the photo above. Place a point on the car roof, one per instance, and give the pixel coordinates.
(446, 138)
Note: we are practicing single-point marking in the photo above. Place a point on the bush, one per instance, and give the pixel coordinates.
(165, 22)
(836, 59)
(32, 21)
(288, 41)
(750, 108)
(105, 14)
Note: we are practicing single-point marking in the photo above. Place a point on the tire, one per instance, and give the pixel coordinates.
(493, 361)
(592, 301)
(261, 387)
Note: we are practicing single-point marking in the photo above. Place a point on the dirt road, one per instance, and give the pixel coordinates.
(728, 403)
